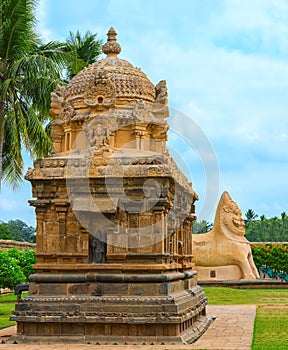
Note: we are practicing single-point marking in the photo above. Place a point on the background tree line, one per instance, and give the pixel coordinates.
(17, 230)
(262, 229)
(258, 228)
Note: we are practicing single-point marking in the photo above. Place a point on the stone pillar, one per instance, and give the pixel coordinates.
(57, 135)
(61, 209)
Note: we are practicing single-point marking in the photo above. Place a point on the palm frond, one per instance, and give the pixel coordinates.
(53, 50)
(12, 161)
(17, 28)
(38, 77)
(39, 141)
(23, 128)
(12, 172)
(4, 87)
(82, 50)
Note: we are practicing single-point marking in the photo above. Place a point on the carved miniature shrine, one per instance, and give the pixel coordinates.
(114, 216)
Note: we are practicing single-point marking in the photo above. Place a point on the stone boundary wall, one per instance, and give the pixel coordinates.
(242, 284)
(8, 244)
(267, 243)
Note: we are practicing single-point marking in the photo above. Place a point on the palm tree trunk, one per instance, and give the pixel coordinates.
(1, 137)
(2, 106)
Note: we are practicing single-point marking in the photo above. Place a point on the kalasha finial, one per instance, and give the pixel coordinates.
(111, 48)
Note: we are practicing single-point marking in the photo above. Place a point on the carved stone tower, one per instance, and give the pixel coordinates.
(114, 216)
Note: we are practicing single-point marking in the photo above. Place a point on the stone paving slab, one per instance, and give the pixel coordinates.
(231, 330)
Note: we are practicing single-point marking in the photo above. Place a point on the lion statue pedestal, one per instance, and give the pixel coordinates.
(218, 273)
(224, 253)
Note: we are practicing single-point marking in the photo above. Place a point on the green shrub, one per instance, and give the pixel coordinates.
(10, 272)
(14, 253)
(16, 266)
(26, 260)
(274, 256)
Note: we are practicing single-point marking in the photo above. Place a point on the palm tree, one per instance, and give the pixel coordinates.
(263, 227)
(29, 72)
(284, 218)
(250, 215)
(83, 50)
(202, 226)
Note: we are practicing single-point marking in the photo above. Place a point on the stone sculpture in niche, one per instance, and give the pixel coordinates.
(96, 134)
(98, 247)
(225, 244)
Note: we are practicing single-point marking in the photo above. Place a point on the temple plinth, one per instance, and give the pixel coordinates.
(114, 217)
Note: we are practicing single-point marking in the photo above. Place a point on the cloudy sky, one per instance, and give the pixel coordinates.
(226, 67)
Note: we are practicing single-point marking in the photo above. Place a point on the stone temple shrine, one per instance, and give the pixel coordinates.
(114, 217)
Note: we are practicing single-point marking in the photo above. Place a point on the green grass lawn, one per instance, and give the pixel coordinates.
(271, 323)
(230, 296)
(271, 328)
(7, 305)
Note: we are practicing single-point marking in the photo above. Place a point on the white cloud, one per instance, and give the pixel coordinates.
(258, 25)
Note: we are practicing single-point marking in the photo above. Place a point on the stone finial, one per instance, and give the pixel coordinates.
(111, 48)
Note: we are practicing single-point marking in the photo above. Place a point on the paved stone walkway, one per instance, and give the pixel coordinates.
(231, 330)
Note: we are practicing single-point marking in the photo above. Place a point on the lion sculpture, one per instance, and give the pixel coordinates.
(225, 244)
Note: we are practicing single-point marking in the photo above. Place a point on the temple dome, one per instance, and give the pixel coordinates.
(113, 76)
